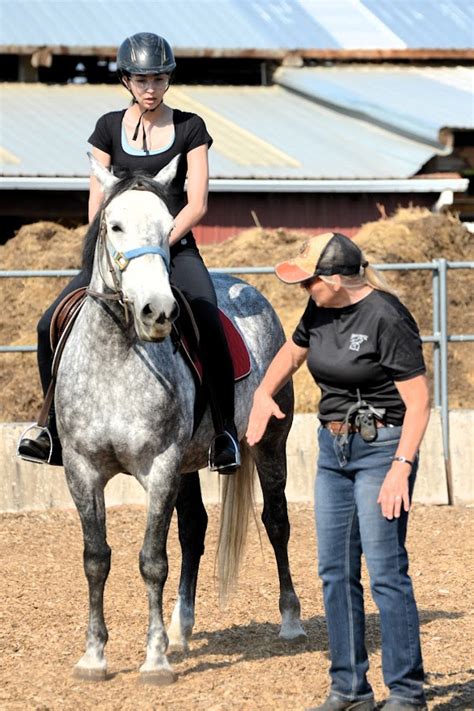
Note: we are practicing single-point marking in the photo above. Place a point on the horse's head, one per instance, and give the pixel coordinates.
(132, 254)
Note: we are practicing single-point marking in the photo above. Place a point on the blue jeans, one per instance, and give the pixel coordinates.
(349, 523)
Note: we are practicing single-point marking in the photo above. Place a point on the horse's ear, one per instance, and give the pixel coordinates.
(104, 176)
(166, 174)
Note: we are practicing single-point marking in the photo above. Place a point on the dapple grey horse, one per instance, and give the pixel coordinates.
(124, 403)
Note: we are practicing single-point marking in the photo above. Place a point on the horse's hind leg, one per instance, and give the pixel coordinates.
(192, 525)
(89, 500)
(270, 458)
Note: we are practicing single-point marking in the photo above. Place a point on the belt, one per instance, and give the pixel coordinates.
(339, 427)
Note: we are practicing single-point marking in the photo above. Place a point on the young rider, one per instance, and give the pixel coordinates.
(144, 138)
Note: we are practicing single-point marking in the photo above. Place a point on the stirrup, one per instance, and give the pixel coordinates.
(27, 458)
(231, 466)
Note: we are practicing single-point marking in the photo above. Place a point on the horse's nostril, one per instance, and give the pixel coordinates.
(161, 318)
(146, 311)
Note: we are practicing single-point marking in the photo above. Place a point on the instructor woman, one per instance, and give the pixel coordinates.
(363, 349)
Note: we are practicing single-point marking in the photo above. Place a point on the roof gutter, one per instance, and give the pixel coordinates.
(245, 185)
(291, 56)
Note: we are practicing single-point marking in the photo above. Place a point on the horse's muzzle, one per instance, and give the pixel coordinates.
(154, 324)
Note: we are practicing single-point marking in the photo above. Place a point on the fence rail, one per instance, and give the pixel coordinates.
(439, 338)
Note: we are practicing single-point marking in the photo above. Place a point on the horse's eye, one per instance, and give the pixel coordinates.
(116, 228)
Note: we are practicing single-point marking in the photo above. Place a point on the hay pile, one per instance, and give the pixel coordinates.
(410, 235)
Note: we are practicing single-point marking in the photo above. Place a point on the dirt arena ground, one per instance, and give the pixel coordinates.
(236, 660)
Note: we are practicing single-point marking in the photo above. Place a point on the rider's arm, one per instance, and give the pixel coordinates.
(198, 185)
(96, 194)
(286, 362)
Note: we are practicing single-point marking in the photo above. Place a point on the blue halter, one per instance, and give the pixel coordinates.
(122, 259)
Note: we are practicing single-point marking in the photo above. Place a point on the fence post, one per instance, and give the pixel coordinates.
(436, 335)
(443, 312)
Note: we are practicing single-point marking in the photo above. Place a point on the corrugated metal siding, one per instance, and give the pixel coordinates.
(260, 132)
(238, 24)
(415, 101)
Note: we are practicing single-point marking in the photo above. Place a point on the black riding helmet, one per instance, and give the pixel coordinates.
(145, 53)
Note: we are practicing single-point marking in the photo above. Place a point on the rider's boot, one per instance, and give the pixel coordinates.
(45, 448)
(224, 451)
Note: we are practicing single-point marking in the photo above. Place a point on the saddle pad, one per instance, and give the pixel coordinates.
(237, 348)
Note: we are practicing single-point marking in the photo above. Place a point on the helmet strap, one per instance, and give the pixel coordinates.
(137, 127)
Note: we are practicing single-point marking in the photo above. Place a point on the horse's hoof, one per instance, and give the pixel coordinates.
(293, 633)
(89, 674)
(294, 639)
(177, 648)
(161, 677)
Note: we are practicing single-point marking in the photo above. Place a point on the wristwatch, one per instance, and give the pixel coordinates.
(402, 459)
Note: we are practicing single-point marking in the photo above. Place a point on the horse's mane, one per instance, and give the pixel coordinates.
(137, 181)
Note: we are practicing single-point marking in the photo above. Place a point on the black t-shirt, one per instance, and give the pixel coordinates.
(189, 132)
(365, 346)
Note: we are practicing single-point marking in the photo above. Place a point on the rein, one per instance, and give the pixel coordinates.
(117, 262)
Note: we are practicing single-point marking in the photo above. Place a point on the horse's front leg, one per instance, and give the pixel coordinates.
(192, 525)
(270, 458)
(162, 485)
(87, 490)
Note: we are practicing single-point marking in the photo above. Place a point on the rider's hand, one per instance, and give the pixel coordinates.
(394, 491)
(264, 407)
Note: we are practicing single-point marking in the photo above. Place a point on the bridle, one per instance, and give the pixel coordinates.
(117, 262)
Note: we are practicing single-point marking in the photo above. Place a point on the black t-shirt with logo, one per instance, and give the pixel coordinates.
(366, 346)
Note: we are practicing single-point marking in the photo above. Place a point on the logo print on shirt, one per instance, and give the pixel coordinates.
(356, 340)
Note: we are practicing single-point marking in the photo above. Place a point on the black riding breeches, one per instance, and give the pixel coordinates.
(189, 274)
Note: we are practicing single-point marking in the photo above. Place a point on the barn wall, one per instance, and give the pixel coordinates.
(229, 213)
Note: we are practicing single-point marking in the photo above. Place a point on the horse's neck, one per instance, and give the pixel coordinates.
(97, 283)
(104, 319)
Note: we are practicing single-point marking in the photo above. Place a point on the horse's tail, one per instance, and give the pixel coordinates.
(237, 502)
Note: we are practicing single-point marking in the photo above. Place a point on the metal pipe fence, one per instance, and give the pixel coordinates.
(439, 338)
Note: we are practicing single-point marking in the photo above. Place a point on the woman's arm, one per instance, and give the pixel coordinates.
(285, 363)
(96, 194)
(394, 491)
(197, 189)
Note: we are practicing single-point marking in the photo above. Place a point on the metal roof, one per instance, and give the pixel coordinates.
(241, 24)
(259, 132)
(414, 101)
(439, 23)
